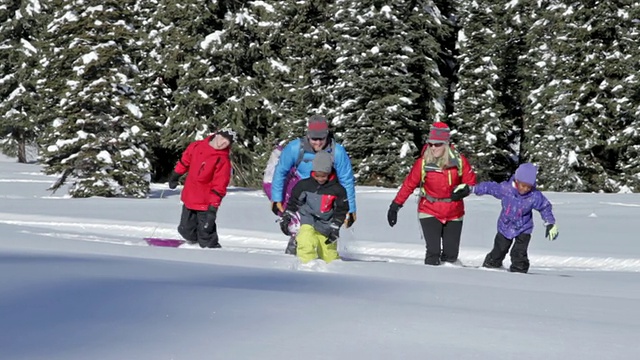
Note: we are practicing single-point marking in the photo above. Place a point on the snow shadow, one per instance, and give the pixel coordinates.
(60, 305)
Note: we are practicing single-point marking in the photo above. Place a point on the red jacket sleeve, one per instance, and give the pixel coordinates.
(221, 179)
(411, 182)
(468, 175)
(185, 160)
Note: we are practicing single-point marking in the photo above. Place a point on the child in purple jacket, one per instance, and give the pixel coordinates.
(515, 224)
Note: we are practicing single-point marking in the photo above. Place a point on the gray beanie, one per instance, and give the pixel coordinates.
(318, 127)
(322, 162)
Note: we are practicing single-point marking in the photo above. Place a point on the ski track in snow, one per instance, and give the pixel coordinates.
(237, 240)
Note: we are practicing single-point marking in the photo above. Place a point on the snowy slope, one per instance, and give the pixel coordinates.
(78, 282)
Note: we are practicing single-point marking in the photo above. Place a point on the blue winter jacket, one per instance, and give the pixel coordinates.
(289, 156)
(516, 216)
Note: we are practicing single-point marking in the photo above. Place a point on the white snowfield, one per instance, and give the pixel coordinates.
(77, 281)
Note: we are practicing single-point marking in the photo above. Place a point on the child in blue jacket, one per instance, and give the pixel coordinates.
(515, 224)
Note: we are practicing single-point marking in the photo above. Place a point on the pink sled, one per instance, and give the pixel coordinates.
(164, 242)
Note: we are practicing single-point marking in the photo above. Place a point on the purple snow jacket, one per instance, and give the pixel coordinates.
(516, 216)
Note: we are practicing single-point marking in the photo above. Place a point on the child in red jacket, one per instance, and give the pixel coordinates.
(209, 173)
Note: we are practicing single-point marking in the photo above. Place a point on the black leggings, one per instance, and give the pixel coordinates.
(434, 231)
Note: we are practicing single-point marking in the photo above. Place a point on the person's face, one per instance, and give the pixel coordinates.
(320, 177)
(220, 142)
(318, 143)
(523, 188)
(437, 149)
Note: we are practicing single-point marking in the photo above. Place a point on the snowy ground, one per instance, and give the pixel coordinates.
(78, 282)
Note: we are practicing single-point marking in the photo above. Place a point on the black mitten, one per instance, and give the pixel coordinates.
(460, 192)
(284, 223)
(173, 180)
(392, 214)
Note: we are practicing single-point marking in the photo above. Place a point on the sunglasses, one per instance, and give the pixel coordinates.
(436, 144)
(318, 139)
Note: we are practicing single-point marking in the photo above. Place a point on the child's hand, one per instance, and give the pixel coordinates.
(552, 232)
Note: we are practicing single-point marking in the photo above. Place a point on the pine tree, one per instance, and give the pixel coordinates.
(488, 115)
(180, 64)
(155, 94)
(585, 136)
(20, 25)
(248, 83)
(387, 83)
(96, 139)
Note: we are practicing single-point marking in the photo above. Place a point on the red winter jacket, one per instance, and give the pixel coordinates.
(209, 175)
(437, 185)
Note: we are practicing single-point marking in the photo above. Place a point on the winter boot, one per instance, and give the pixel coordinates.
(432, 260)
(445, 258)
(491, 263)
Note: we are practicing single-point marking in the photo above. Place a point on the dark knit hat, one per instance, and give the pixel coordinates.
(228, 134)
(439, 133)
(318, 127)
(527, 173)
(322, 162)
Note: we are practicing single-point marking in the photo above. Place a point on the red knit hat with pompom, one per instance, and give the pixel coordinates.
(439, 133)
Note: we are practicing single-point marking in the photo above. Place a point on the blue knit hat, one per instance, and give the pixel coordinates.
(527, 173)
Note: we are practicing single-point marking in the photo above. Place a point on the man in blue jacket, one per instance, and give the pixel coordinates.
(298, 154)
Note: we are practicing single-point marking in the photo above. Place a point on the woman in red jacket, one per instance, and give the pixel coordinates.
(209, 173)
(438, 171)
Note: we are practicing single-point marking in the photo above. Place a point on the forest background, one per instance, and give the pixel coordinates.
(110, 92)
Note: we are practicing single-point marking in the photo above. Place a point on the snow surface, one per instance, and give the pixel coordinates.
(78, 282)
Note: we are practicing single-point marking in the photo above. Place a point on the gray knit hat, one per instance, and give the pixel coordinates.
(322, 162)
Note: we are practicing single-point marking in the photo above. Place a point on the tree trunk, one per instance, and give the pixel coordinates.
(22, 151)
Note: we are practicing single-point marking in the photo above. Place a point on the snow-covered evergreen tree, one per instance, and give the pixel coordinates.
(96, 138)
(388, 87)
(20, 25)
(584, 128)
(155, 93)
(177, 59)
(488, 114)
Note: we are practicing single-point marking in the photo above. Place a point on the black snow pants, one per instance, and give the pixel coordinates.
(193, 230)
(519, 257)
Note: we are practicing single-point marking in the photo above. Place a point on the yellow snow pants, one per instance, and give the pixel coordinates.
(311, 245)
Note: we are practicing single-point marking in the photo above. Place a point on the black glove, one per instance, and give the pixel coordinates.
(460, 192)
(274, 209)
(284, 223)
(334, 234)
(210, 219)
(392, 214)
(173, 180)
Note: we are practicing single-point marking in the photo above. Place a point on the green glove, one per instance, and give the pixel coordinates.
(552, 232)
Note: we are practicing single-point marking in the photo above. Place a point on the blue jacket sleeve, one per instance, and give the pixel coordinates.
(342, 164)
(490, 188)
(543, 205)
(287, 161)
